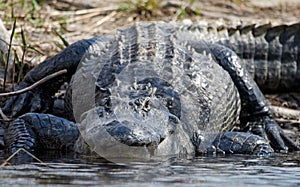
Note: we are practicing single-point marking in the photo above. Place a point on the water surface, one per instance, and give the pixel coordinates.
(241, 170)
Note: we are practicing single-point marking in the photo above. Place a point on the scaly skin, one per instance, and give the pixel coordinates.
(271, 53)
(52, 133)
(162, 49)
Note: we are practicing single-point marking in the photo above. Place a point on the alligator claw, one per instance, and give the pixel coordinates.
(274, 133)
(278, 139)
(268, 128)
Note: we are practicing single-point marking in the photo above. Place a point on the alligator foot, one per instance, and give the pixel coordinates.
(236, 143)
(42, 131)
(268, 128)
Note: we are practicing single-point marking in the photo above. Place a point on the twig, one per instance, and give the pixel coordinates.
(85, 16)
(106, 18)
(101, 21)
(35, 84)
(280, 120)
(85, 11)
(286, 112)
(14, 154)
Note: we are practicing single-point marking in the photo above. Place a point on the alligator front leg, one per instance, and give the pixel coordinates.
(40, 131)
(67, 59)
(256, 115)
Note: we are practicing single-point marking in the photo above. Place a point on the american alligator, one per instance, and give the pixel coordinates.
(170, 88)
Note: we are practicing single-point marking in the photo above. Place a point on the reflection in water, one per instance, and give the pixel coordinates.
(279, 170)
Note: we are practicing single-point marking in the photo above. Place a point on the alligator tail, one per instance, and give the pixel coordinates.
(271, 54)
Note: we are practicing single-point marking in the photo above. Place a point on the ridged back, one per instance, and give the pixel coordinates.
(149, 59)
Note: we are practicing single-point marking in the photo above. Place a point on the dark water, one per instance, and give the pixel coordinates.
(278, 170)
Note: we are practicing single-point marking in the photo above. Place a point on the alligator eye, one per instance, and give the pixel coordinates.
(170, 102)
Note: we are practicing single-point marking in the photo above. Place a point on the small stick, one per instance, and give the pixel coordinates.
(14, 154)
(101, 21)
(285, 112)
(106, 18)
(85, 11)
(35, 84)
(280, 120)
(85, 16)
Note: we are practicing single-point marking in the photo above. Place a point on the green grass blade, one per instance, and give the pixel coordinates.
(8, 52)
(66, 44)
